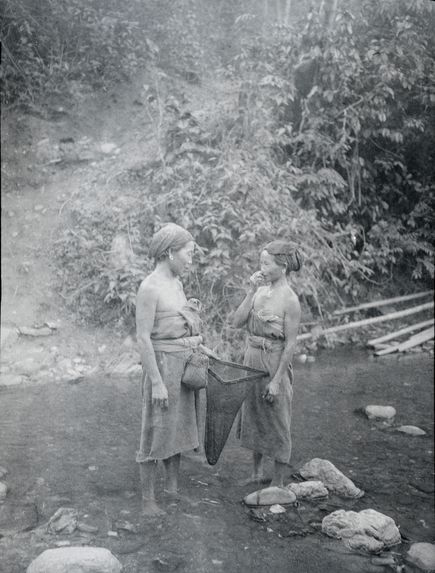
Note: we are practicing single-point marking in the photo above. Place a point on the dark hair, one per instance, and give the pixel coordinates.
(286, 255)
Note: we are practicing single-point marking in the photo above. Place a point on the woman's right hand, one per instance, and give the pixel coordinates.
(160, 395)
(256, 280)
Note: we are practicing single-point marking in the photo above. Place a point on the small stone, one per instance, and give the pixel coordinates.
(422, 555)
(93, 468)
(85, 528)
(384, 412)
(102, 349)
(411, 430)
(311, 489)
(3, 491)
(63, 543)
(38, 207)
(112, 534)
(65, 520)
(276, 508)
(270, 496)
(75, 559)
(331, 477)
(301, 358)
(311, 359)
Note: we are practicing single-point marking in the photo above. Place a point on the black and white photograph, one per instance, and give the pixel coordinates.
(217, 280)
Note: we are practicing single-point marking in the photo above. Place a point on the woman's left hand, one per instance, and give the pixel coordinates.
(271, 391)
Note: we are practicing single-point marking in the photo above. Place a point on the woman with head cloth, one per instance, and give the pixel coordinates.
(167, 332)
(272, 313)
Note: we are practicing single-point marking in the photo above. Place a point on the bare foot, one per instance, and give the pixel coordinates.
(151, 509)
(276, 483)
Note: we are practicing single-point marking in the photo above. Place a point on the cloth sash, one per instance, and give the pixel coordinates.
(266, 344)
(176, 344)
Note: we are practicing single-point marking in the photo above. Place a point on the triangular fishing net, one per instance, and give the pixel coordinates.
(228, 385)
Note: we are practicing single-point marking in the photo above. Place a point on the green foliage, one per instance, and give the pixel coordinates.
(329, 145)
(47, 43)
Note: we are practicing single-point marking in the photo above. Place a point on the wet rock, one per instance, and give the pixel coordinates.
(65, 520)
(411, 430)
(308, 489)
(3, 472)
(270, 496)
(382, 412)
(3, 491)
(8, 336)
(422, 555)
(333, 479)
(367, 530)
(75, 560)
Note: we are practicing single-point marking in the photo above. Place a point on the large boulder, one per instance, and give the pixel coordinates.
(422, 555)
(333, 479)
(308, 489)
(75, 560)
(367, 530)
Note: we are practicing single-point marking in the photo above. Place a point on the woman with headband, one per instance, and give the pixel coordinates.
(272, 313)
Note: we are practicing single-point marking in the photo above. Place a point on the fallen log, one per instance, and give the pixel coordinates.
(392, 335)
(368, 321)
(414, 340)
(377, 303)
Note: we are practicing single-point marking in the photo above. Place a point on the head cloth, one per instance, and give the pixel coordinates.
(285, 254)
(171, 236)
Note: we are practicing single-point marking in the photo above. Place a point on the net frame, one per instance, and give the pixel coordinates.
(221, 409)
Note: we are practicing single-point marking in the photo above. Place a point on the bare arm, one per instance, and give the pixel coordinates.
(240, 317)
(146, 304)
(292, 318)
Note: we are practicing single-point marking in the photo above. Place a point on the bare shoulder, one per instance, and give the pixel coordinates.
(148, 290)
(291, 302)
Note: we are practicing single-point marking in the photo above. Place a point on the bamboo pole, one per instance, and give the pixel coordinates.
(377, 303)
(374, 320)
(414, 340)
(392, 335)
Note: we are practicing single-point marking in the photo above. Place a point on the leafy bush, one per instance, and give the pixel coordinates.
(329, 145)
